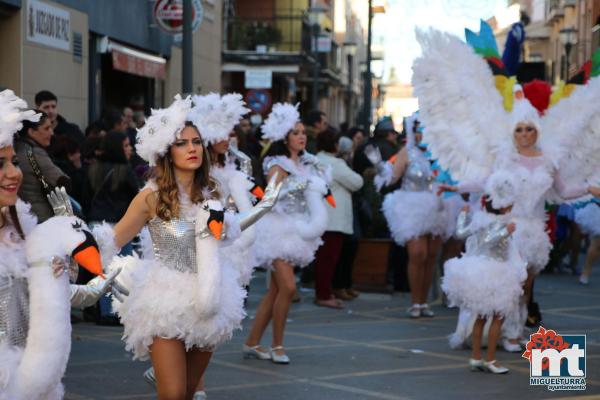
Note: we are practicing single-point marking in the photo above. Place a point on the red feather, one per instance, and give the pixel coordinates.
(538, 93)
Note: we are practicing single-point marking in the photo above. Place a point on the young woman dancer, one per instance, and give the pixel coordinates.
(35, 300)
(291, 234)
(183, 303)
(487, 279)
(415, 216)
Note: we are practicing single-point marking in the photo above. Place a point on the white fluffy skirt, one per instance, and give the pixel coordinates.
(278, 238)
(162, 303)
(533, 242)
(483, 286)
(588, 219)
(413, 214)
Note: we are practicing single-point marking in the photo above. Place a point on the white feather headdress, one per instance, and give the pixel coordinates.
(13, 111)
(282, 119)
(161, 129)
(523, 111)
(215, 116)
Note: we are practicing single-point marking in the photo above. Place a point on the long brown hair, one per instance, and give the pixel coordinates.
(167, 205)
(14, 217)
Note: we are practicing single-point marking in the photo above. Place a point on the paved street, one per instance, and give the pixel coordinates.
(368, 351)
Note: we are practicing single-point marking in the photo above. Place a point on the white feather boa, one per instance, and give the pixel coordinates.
(237, 253)
(35, 371)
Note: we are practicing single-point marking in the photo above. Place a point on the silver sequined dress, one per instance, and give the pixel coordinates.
(487, 279)
(414, 210)
(292, 230)
(165, 297)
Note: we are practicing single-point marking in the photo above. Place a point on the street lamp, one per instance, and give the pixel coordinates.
(568, 37)
(314, 18)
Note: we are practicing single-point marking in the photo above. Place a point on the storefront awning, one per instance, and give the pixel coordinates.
(137, 62)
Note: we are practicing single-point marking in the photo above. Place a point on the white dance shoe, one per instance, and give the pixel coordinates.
(476, 365)
(490, 367)
(149, 377)
(200, 395)
(414, 311)
(425, 311)
(279, 359)
(254, 352)
(511, 347)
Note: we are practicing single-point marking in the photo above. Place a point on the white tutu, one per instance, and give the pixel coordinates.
(588, 219)
(413, 214)
(278, 238)
(533, 242)
(162, 303)
(484, 286)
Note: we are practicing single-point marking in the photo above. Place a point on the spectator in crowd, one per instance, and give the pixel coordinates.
(344, 182)
(93, 139)
(316, 122)
(385, 138)
(111, 183)
(67, 156)
(47, 102)
(114, 121)
(357, 135)
(40, 174)
(130, 125)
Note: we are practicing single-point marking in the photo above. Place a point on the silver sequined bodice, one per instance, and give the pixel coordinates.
(417, 176)
(291, 198)
(491, 241)
(174, 244)
(14, 311)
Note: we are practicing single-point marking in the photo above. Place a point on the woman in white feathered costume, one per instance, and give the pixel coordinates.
(35, 296)
(486, 281)
(291, 234)
(183, 303)
(470, 133)
(216, 116)
(415, 215)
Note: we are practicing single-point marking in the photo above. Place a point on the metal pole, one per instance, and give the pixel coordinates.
(368, 82)
(187, 49)
(567, 52)
(316, 68)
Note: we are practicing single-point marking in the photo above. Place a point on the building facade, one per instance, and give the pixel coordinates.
(96, 55)
(306, 51)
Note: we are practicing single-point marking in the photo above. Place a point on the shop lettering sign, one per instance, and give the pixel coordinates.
(48, 25)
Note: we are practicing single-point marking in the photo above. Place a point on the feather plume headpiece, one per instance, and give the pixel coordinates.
(162, 129)
(13, 111)
(215, 116)
(282, 119)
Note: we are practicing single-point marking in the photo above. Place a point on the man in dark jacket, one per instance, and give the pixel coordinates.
(315, 123)
(385, 139)
(47, 102)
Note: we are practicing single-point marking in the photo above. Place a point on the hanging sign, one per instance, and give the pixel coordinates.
(168, 15)
(258, 100)
(258, 78)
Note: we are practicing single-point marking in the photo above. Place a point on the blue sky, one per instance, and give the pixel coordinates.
(396, 28)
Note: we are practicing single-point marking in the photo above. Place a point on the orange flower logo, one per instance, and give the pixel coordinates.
(545, 339)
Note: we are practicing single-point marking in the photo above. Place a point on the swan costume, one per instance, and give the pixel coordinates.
(293, 230)
(414, 210)
(471, 107)
(487, 279)
(215, 117)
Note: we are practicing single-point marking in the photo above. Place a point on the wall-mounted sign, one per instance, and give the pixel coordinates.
(258, 100)
(258, 79)
(323, 44)
(168, 15)
(48, 25)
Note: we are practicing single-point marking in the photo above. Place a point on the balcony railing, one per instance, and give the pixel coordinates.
(288, 34)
